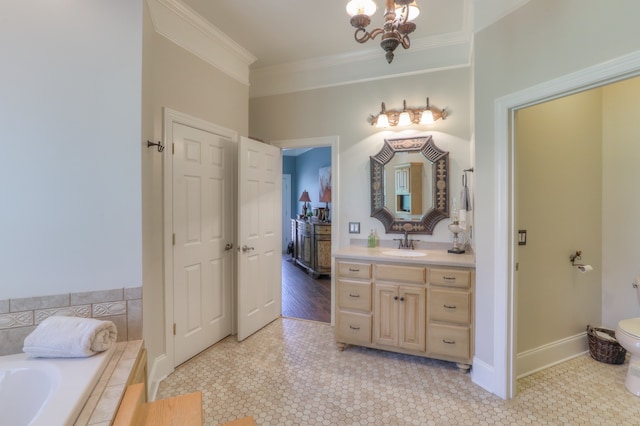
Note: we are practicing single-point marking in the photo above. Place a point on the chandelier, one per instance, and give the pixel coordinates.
(398, 17)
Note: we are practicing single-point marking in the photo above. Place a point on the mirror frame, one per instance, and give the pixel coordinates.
(440, 185)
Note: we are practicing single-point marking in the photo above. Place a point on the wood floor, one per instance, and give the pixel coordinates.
(302, 296)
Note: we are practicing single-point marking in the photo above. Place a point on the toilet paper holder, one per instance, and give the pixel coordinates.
(576, 256)
(581, 266)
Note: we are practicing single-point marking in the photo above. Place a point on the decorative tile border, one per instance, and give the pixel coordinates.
(18, 317)
(70, 311)
(108, 309)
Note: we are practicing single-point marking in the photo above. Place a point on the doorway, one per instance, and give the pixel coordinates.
(315, 293)
(504, 253)
(306, 265)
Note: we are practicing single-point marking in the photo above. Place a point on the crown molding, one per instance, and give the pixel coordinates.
(428, 54)
(183, 26)
(445, 51)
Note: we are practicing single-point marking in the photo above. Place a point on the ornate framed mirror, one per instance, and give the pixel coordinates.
(410, 185)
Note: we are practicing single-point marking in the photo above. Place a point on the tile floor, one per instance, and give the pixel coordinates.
(290, 373)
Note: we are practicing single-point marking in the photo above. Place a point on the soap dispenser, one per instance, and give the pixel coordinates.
(371, 242)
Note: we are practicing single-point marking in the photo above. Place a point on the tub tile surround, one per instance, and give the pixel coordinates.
(19, 317)
(102, 404)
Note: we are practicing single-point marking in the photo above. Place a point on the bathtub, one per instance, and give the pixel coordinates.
(47, 391)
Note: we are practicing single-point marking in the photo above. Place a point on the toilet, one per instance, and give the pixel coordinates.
(628, 335)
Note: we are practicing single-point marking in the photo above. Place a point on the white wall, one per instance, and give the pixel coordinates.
(621, 201)
(70, 163)
(542, 40)
(343, 111)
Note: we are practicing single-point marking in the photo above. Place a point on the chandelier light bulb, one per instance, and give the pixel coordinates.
(413, 8)
(361, 7)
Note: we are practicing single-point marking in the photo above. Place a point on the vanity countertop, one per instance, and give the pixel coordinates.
(430, 257)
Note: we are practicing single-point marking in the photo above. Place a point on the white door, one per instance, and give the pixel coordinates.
(203, 223)
(259, 236)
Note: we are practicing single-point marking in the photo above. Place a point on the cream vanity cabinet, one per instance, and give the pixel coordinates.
(412, 308)
(399, 310)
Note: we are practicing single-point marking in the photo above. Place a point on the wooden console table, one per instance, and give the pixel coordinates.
(312, 246)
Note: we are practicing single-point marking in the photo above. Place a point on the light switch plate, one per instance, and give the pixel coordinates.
(354, 227)
(522, 237)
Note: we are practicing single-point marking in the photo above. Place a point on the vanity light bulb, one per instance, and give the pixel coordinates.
(383, 121)
(404, 119)
(427, 117)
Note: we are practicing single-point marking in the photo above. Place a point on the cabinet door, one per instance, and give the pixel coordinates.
(412, 318)
(304, 248)
(402, 181)
(322, 254)
(385, 315)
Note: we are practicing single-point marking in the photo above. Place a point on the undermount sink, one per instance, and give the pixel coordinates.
(404, 253)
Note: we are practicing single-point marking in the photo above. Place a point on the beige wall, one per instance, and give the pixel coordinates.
(620, 201)
(558, 167)
(176, 79)
(543, 40)
(342, 111)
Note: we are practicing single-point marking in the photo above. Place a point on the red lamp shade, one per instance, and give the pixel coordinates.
(305, 196)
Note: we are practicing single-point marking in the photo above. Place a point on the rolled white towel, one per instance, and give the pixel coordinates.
(70, 337)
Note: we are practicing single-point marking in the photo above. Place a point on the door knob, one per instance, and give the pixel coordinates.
(246, 248)
(228, 246)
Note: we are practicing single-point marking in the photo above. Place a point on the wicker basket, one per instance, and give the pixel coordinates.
(605, 350)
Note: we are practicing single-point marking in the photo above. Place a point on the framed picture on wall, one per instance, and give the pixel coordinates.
(325, 185)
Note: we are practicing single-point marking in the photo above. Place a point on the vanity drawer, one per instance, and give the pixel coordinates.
(449, 340)
(354, 270)
(450, 306)
(354, 328)
(354, 295)
(405, 274)
(450, 277)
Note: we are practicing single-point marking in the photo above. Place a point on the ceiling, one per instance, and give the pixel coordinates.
(286, 36)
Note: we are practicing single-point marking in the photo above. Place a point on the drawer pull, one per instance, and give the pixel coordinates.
(444, 277)
(354, 270)
(353, 327)
(450, 306)
(449, 342)
(395, 297)
(354, 295)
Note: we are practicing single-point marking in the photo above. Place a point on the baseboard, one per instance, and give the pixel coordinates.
(483, 375)
(533, 360)
(159, 371)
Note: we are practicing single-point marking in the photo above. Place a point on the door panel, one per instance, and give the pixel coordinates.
(203, 182)
(259, 236)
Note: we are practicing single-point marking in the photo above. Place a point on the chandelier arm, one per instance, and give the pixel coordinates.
(406, 42)
(366, 35)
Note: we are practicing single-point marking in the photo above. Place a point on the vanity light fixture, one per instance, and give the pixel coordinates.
(407, 116)
(398, 23)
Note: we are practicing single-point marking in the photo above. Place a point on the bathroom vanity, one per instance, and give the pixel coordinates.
(417, 302)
